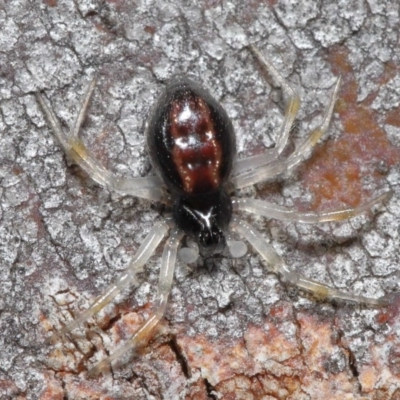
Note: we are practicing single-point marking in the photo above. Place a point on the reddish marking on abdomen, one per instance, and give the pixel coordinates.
(196, 151)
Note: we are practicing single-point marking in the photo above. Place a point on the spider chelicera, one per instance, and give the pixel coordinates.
(192, 147)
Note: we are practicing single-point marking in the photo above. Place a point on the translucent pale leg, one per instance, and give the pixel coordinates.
(130, 276)
(243, 164)
(292, 107)
(277, 265)
(270, 210)
(258, 174)
(164, 288)
(147, 187)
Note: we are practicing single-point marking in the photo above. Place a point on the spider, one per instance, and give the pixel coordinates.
(192, 147)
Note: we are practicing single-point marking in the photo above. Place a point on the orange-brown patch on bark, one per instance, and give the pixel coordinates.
(334, 173)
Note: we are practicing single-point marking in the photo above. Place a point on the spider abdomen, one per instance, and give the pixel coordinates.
(191, 139)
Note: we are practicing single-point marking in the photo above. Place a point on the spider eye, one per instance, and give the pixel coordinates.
(211, 237)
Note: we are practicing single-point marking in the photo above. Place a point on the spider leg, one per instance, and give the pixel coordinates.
(130, 276)
(257, 174)
(142, 336)
(270, 210)
(302, 152)
(147, 187)
(277, 265)
(292, 108)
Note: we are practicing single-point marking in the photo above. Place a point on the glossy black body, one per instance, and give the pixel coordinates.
(192, 146)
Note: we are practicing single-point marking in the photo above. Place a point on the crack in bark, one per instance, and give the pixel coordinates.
(180, 357)
(211, 393)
